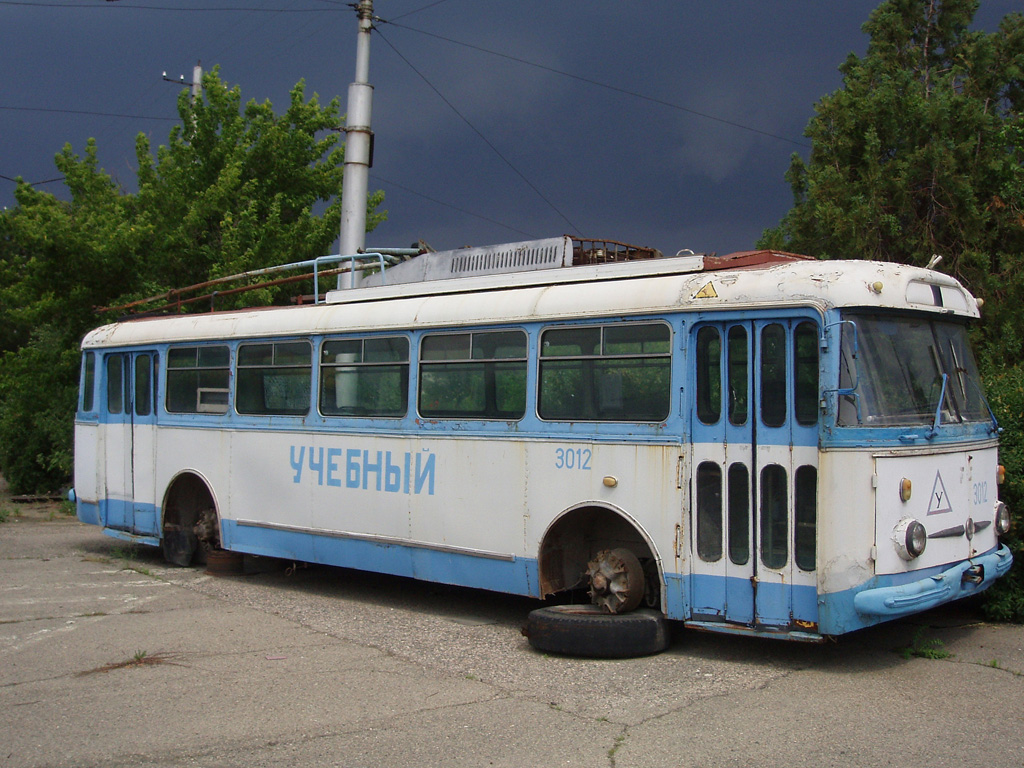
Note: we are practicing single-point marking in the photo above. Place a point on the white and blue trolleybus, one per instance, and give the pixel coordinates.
(759, 443)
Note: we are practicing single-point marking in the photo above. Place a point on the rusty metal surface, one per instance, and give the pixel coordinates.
(616, 580)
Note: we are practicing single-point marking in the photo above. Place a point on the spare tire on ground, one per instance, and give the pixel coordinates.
(585, 630)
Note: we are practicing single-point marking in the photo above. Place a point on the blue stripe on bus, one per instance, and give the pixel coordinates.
(119, 514)
(515, 576)
(777, 604)
(88, 512)
(879, 599)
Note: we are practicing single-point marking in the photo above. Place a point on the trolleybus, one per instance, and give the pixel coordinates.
(761, 443)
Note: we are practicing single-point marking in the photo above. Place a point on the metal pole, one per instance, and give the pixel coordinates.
(357, 142)
(197, 82)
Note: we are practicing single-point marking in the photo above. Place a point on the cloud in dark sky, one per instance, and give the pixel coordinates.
(612, 164)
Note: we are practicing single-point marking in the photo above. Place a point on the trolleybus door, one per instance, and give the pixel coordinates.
(129, 442)
(749, 457)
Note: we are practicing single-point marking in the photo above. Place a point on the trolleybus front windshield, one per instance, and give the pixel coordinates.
(896, 370)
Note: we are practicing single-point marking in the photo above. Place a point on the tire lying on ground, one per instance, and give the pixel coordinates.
(585, 630)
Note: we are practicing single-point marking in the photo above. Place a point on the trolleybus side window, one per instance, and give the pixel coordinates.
(709, 511)
(365, 377)
(144, 378)
(709, 375)
(605, 373)
(117, 384)
(274, 378)
(774, 513)
(739, 513)
(88, 381)
(739, 397)
(476, 375)
(197, 379)
(805, 517)
(773, 375)
(805, 374)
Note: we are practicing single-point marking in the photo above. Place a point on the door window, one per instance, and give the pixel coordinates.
(709, 375)
(774, 516)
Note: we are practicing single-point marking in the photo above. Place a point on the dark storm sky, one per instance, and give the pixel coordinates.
(698, 164)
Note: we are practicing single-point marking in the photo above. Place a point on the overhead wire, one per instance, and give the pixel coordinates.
(339, 5)
(479, 133)
(200, 9)
(417, 10)
(389, 182)
(599, 84)
(86, 112)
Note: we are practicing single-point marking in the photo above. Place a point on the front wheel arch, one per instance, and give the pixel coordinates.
(574, 538)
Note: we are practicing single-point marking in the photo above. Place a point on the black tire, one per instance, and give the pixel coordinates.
(584, 630)
(222, 562)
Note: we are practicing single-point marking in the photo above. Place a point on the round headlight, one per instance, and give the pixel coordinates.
(910, 538)
(1002, 518)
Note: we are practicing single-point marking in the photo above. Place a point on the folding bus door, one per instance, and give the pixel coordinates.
(129, 441)
(754, 473)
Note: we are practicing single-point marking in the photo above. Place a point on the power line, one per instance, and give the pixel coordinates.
(208, 9)
(86, 112)
(599, 84)
(424, 8)
(32, 183)
(411, 191)
(475, 130)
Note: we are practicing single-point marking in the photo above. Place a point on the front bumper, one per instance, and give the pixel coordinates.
(961, 580)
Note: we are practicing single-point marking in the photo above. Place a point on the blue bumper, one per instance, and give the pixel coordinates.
(963, 579)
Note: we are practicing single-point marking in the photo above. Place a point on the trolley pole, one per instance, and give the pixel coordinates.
(357, 142)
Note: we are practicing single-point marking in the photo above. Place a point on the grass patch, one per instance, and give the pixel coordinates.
(6, 513)
(619, 741)
(139, 659)
(924, 648)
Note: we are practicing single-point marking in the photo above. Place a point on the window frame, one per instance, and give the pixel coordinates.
(200, 371)
(466, 362)
(280, 369)
(588, 371)
(402, 366)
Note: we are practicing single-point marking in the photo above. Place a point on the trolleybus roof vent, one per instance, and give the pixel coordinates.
(527, 256)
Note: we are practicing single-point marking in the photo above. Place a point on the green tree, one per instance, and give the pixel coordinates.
(235, 188)
(58, 261)
(920, 153)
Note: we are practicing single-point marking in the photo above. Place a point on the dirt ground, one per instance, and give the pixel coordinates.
(12, 511)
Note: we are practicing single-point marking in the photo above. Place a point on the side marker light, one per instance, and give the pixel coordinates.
(906, 488)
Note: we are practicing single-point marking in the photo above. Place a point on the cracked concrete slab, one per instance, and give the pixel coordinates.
(108, 656)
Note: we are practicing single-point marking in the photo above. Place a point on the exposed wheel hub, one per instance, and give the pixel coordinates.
(616, 580)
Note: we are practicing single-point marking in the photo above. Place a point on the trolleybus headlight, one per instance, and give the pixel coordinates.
(910, 538)
(1002, 518)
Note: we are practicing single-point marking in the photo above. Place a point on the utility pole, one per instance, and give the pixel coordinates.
(357, 142)
(197, 81)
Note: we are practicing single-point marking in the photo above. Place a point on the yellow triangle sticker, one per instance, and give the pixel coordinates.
(707, 292)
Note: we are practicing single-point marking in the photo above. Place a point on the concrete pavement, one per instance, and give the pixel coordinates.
(109, 657)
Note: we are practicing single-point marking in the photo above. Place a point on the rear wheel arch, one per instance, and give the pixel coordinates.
(191, 524)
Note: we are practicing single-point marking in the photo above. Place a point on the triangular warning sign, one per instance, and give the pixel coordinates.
(939, 502)
(707, 292)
